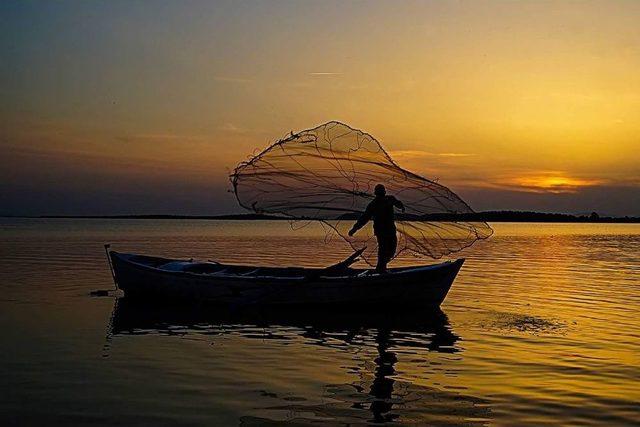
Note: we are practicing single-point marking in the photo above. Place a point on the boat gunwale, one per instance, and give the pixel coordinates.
(398, 272)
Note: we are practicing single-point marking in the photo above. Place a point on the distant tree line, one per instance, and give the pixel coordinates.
(526, 216)
(488, 216)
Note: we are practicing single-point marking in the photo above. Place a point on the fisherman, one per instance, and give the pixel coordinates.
(384, 226)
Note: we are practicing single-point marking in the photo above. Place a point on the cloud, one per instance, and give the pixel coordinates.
(160, 137)
(549, 182)
(470, 170)
(552, 183)
(415, 154)
(227, 79)
(324, 73)
(229, 127)
(607, 200)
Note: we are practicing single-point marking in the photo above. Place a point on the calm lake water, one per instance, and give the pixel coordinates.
(541, 327)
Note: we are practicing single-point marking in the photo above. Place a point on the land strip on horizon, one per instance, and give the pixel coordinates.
(488, 216)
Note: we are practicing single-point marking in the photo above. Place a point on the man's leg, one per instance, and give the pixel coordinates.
(382, 263)
(386, 251)
(393, 245)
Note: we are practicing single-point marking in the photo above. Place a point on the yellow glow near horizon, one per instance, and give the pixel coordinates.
(554, 184)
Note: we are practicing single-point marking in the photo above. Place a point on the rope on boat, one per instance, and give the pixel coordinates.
(113, 273)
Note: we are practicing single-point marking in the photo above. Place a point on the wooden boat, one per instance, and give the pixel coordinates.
(148, 277)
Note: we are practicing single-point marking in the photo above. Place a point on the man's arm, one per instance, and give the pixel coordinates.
(398, 204)
(362, 221)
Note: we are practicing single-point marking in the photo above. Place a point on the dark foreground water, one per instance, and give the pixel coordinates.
(542, 327)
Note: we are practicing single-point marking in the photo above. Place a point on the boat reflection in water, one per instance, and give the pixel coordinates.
(379, 399)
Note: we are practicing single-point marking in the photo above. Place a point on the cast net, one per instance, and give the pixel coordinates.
(328, 174)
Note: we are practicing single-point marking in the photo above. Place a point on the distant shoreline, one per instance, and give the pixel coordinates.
(489, 216)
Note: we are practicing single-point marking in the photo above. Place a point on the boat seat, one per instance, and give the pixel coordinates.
(203, 268)
(175, 266)
(248, 273)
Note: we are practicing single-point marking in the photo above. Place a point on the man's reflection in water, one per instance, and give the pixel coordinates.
(382, 386)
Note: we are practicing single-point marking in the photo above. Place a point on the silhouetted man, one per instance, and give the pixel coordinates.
(384, 226)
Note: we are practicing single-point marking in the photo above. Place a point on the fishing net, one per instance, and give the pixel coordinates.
(328, 174)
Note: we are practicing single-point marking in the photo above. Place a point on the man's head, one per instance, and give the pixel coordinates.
(379, 190)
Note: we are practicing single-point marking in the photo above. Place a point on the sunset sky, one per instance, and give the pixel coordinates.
(121, 107)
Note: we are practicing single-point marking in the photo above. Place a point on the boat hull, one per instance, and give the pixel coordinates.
(425, 286)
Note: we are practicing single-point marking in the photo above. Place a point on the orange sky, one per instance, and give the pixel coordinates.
(118, 108)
